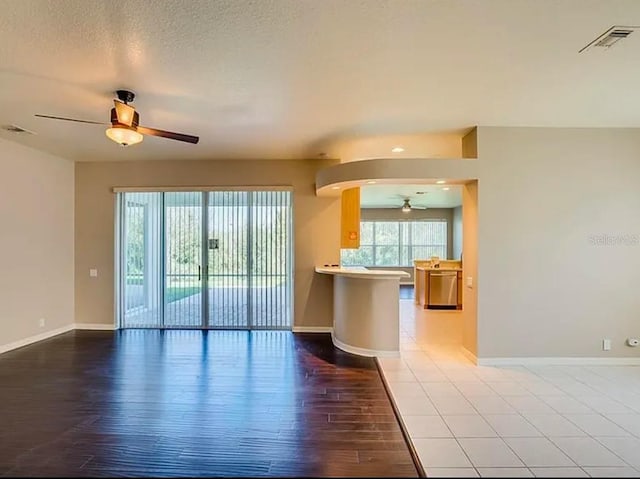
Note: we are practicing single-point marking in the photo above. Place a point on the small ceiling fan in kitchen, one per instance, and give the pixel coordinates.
(125, 127)
(407, 206)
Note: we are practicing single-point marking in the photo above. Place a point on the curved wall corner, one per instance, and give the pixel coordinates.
(332, 180)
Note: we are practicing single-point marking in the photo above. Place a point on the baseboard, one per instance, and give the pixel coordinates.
(469, 355)
(34, 339)
(95, 326)
(312, 329)
(566, 361)
(363, 351)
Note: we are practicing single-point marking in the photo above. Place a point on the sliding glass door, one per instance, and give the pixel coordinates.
(216, 259)
(269, 277)
(228, 265)
(140, 260)
(183, 259)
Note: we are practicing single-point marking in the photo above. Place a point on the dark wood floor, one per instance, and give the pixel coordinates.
(195, 403)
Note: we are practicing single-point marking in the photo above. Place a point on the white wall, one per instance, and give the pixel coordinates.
(36, 243)
(546, 198)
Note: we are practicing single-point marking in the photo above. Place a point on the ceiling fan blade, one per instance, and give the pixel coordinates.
(71, 119)
(125, 113)
(168, 134)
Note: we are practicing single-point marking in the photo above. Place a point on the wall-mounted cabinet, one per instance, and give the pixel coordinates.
(350, 219)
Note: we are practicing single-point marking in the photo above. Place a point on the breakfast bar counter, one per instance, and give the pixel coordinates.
(366, 314)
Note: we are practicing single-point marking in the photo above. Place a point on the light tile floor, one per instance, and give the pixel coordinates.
(545, 421)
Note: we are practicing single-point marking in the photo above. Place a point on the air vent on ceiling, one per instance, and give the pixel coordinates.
(17, 129)
(610, 38)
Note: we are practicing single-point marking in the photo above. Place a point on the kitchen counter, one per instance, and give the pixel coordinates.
(361, 272)
(366, 313)
(422, 285)
(431, 268)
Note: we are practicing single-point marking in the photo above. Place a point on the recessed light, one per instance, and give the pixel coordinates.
(397, 149)
(335, 187)
(446, 188)
(371, 182)
(440, 182)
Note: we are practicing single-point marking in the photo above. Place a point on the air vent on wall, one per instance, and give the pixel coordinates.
(17, 129)
(610, 38)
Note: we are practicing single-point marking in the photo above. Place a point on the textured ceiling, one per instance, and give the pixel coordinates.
(288, 78)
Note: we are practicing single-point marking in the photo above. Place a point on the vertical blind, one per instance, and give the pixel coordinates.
(217, 259)
(397, 243)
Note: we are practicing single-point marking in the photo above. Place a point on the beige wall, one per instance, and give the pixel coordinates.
(545, 284)
(456, 233)
(546, 198)
(470, 144)
(36, 243)
(470, 267)
(426, 145)
(316, 225)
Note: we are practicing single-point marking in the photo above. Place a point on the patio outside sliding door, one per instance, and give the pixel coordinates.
(195, 259)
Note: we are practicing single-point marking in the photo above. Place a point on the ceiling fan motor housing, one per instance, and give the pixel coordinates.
(125, 96)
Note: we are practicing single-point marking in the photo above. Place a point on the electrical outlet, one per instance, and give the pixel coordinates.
(606, 344)
(42, 322)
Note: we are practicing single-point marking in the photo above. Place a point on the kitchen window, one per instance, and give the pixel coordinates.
(397, 243)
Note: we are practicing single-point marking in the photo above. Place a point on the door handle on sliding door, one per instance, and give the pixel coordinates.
(199, 273)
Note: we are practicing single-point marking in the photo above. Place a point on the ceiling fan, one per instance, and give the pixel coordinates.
(125, 128)
(406, 206)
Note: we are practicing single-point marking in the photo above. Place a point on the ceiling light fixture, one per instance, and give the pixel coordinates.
(440, 182)
(406, 207)
(446, 188)
(124, 135)
(397, 149)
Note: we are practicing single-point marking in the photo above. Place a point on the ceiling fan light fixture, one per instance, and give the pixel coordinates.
(123, 135)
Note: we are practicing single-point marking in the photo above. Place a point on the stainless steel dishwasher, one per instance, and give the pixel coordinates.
(443, 289)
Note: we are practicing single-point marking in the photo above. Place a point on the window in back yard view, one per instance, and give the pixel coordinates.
(397, 243)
